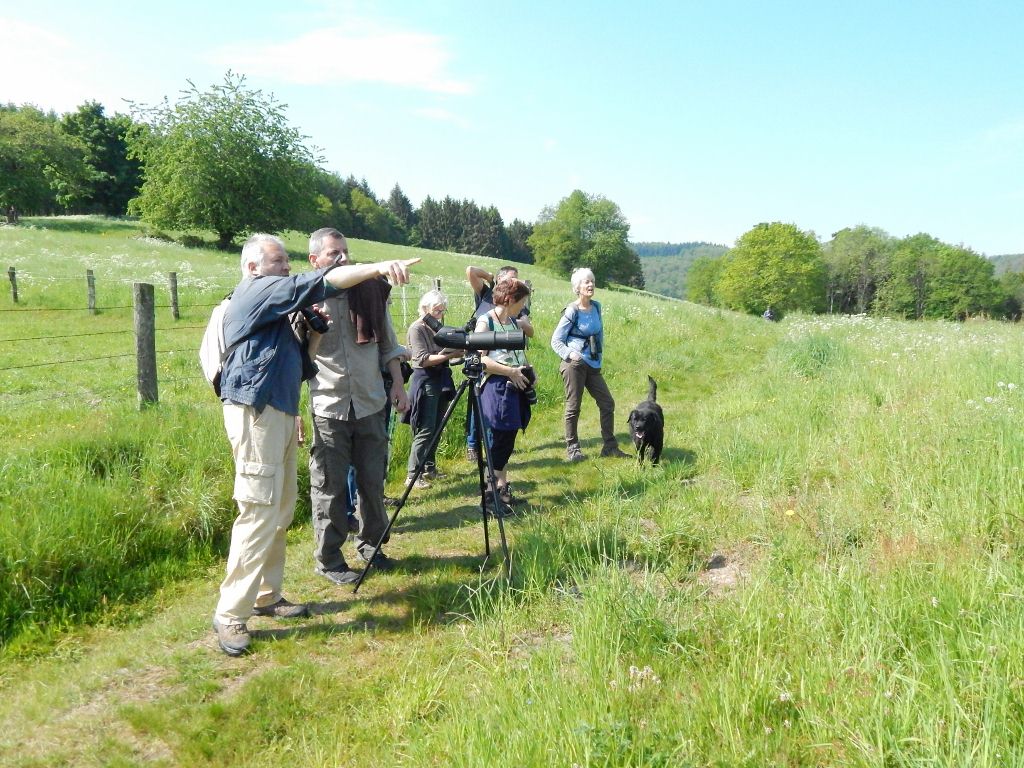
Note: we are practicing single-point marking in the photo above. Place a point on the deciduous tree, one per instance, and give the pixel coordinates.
(586, 231)
(42, 169)
(855, 259)
(702, 279)
(223, 159)
(774, 265)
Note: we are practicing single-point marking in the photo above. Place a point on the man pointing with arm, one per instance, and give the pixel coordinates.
(260, 380)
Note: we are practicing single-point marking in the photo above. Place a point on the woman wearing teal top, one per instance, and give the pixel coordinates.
(578, 340)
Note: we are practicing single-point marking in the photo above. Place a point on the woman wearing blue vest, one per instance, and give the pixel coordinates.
(578, 339)
(503, 391)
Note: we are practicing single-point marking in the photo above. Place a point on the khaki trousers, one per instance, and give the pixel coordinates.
(265, 448)
(577, 376)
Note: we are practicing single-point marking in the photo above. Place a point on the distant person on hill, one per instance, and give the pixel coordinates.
(769, 315)
(482, 282)
(350, 415)
(262, 372)
(503, 399)
(431, 387)
(578, 340)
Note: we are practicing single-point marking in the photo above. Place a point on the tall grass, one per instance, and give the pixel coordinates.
(858, 479)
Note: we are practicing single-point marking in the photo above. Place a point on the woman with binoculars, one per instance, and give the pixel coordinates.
(503, 395)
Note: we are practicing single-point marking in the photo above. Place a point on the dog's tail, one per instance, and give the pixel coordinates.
(652, 390)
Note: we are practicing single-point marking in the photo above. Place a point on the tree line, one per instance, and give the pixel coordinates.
(226, 160)
(860, 270)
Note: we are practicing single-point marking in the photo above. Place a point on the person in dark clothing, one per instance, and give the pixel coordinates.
(431, 388)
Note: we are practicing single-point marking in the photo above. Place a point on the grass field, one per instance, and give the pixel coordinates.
(856, 484)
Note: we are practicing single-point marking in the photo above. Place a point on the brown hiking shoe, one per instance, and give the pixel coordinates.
(233, 639)
(282, 609)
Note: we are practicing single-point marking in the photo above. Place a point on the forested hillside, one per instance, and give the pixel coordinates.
(665, 264)
(1008, 262)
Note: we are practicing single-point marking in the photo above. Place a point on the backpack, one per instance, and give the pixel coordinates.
(212, 350)
(574, 323)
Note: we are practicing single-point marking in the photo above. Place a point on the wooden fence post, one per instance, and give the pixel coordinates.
(90, 282)
(14, 283)
(172, 278)
(145, 343)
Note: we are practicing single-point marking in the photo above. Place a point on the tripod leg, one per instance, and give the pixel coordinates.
(416, 476)
(474, 412)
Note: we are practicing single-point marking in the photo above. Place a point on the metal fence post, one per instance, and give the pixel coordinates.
(14, 283)
(145, 343)
(90, 282)
(172, 278)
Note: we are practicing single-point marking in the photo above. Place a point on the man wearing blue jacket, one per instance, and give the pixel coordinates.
(261, 377)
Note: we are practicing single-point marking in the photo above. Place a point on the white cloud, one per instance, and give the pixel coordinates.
(549, 145)
(60, 72)
(37, 66)
(362, 52)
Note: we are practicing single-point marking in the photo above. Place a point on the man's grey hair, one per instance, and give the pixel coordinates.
(579, 276)
(430, 298)
(316, 240)
(254, 249)
(503, 271)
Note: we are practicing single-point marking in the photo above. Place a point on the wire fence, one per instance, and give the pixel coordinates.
(54, 351)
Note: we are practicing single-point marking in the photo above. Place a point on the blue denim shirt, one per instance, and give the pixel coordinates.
(265, 365)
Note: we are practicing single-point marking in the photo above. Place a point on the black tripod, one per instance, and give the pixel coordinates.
(472, 369)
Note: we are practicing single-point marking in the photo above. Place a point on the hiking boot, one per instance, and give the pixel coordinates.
(501, 511)
(574, 455)
(389, 501)
(341, 576)
(421, 482)
(282, 609)
(613, 452)
(508, 497)
(431, 474)
(472, 454)
(233, 639)
(381, 562)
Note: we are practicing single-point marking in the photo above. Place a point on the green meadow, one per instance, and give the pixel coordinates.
(824, 571)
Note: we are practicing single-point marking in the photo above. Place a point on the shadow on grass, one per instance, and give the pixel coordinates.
(93, 225)
(435, 602)
(456, 516)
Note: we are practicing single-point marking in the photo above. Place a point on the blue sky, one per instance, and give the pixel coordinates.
(699, 119)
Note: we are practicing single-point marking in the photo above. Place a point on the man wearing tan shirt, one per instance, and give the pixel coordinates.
(349, 424)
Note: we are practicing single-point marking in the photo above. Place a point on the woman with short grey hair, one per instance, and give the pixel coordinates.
(579, 340)
(430, 389)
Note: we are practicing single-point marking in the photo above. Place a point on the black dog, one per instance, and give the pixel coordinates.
(647, 425)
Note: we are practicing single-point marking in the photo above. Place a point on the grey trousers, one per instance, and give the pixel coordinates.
(430, 416)
(577, 376)
(338, 443)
